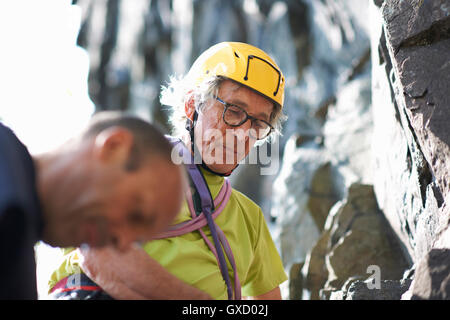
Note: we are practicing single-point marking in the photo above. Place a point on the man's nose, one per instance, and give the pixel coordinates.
(241, 133)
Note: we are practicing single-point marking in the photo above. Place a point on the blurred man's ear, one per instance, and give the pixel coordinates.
(189, 107)
(113, 145)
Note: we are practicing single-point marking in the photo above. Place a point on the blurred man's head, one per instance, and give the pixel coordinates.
(114, 184)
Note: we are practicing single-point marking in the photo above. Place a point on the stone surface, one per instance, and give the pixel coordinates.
(295, 230)
(315, 273)
(348, 130)
(411, 50)
(432, 276)
(360, 238)
(357, 241)
(323, 194)
(296, 282)
(416, 22)
(362, 290)
(324, 155)
(418, 37)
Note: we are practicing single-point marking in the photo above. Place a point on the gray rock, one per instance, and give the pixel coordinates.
(432, 276)
(323, 194)
(295, 229)
(348, 131)
(315, 273)
(357, 244)
(418, 37)
(410, 71)
(296, 281)
(408, 23)
(319, 161)
(362, 290)
(378, 3)
(362, 238)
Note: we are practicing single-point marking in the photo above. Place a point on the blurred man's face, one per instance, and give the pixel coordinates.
(132, 206)
(100, 201)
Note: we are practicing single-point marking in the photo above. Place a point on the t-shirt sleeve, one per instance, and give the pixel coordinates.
(266, 271)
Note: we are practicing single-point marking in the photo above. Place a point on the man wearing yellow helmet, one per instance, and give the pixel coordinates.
(231, 98)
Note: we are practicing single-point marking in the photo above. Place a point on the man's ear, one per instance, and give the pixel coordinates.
(189, 107)
(113, 145)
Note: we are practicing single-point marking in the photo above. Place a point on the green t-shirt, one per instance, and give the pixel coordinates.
(189, 258)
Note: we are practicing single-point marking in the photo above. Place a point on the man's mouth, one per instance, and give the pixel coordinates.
(95, 234)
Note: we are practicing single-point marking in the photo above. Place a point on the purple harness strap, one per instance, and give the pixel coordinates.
(198, 221)
(207, 218)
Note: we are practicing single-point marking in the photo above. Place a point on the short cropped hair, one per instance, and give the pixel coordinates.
(149, 141)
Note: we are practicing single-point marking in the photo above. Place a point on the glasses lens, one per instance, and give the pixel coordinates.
(234, 116)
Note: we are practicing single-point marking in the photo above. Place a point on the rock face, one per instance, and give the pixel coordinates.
(411, 54)
(402, 133)
(432, 279)
(361, 237)
(357, 241)
(330, 153)
(330, 145)
(362, 290)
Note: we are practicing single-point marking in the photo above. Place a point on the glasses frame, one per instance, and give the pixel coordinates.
(247, 116)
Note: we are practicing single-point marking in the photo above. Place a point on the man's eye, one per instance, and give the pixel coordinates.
(259, 125)
(137, 218)
(234, 111)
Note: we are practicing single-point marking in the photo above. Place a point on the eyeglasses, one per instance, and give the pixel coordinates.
(235, 116)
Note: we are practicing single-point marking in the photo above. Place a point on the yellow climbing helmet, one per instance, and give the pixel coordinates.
(243, 63)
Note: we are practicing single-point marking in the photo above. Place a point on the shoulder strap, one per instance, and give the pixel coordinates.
(205, 201)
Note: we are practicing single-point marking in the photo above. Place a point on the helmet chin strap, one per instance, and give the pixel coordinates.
(190, 125)
(226, 174)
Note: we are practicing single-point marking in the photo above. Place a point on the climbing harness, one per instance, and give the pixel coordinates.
(210, 209)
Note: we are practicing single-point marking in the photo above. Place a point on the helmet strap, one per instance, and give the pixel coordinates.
(190, 125)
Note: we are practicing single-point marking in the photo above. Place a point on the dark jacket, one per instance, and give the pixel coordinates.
(20, 219)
